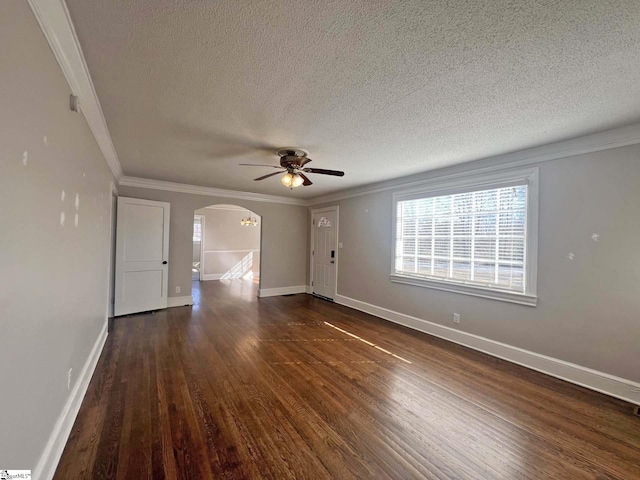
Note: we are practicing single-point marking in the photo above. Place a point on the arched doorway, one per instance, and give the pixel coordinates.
(226, 244)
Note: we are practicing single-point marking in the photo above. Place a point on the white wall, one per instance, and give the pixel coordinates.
(588, 310)
(53, 277)
(227, 243)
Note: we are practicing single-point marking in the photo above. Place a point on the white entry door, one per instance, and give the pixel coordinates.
(324, 253)
(142, 256)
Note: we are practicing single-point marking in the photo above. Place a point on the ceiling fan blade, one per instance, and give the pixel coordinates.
(258, 165)
(323, 171)
(266, 176)
(306, 182)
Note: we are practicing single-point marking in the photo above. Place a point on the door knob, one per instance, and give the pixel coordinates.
(164, 263)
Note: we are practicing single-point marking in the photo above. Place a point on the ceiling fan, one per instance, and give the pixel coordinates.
(293, 161)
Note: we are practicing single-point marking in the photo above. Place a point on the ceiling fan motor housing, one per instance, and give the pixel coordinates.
(291, 157)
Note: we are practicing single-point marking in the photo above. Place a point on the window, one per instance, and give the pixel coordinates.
(473, 236)
(197, 230)
(324, 222)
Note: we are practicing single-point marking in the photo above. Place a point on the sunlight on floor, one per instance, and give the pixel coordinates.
(368, 343)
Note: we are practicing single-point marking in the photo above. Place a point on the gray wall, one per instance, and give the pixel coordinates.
(588, 311)
(53, 278)
(226, 241)
(284, 237)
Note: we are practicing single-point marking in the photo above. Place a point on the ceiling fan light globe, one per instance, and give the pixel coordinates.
(297, 181)
(287, 180)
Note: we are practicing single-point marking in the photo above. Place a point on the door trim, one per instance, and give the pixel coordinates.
(336, 209)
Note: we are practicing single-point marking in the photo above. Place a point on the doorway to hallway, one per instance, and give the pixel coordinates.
(226, 245)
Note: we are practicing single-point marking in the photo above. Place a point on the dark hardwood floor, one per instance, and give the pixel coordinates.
(296, 387)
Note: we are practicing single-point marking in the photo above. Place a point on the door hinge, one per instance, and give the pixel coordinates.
(312, 284)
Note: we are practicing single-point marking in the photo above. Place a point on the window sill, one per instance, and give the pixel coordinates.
(476, 291)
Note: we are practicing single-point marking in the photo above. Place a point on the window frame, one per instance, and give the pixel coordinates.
(470, 182)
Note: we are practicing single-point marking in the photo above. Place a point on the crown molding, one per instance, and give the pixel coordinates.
(55, 23)
(619, 137)
(209, 191)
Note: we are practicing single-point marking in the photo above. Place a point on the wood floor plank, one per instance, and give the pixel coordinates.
(295, 387)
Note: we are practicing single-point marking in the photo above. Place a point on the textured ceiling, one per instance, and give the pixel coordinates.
(379, 89)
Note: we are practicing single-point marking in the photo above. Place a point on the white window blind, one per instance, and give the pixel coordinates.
(473, 238)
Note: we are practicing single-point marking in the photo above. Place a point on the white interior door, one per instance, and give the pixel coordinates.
(324, 253)
(142, 256)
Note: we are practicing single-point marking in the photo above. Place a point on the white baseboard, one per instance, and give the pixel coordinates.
(48, 462)
(211, 276)
(308, 289)
(618, 387)
(272, 292)
(179, 301)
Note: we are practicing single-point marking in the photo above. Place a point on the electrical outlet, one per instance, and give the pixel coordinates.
(177, 289)
(69, 379)
(456, 318)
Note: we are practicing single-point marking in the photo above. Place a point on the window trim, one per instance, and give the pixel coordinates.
(471, 182)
